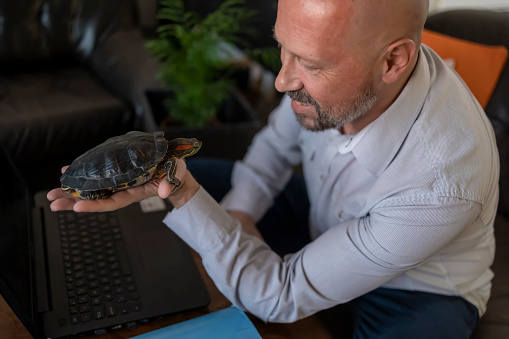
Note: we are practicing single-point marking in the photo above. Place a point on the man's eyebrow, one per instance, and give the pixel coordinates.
(274, 35)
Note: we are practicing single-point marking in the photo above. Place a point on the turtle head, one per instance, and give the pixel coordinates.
(183, 147)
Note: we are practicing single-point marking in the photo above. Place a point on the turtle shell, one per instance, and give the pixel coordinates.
(124, 161)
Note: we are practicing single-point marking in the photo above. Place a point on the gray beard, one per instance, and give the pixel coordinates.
(337, 117)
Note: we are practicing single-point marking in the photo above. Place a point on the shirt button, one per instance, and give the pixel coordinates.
(340, 214)
(322, 177)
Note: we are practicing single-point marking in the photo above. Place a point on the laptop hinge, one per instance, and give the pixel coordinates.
(41, 277)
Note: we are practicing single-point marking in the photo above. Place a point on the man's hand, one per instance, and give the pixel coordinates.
(64, 201)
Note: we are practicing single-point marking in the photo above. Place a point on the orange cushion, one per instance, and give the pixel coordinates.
(479, 65)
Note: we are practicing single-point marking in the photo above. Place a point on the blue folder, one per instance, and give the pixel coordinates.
(224, 324)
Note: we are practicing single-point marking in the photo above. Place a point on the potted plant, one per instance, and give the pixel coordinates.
(197, 55)
(199, 58)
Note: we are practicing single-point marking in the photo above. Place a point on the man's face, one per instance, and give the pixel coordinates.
(322, 72)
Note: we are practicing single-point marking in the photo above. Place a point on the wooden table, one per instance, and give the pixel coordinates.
(11, 327)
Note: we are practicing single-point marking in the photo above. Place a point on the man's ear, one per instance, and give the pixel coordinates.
(397, 59)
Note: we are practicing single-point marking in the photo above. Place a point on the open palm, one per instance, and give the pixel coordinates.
(64, 201)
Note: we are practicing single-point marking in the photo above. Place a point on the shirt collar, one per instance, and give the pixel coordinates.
(348, 144)
(377, 146)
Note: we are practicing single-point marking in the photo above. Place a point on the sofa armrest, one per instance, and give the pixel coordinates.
(128, 69)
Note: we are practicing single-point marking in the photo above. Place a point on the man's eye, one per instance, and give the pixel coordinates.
(309, 68)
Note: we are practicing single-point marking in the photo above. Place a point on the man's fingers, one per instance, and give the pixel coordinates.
(62, 204)
(100, 205)
(164, 188)
(56, 193)
(65, 201)
(114, 202)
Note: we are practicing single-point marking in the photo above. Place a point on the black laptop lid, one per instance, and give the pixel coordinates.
(16, 280)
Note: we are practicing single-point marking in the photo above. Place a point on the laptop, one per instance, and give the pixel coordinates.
(66, 273)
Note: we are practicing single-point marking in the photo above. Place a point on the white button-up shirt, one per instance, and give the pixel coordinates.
(408, 203)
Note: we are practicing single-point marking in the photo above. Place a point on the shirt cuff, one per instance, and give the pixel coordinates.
(202, 223)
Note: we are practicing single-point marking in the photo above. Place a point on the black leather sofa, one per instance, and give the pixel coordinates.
(72, 74)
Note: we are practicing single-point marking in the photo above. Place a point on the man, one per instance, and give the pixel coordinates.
(401, 171)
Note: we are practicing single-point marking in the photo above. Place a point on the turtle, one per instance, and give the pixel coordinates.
(126, 161)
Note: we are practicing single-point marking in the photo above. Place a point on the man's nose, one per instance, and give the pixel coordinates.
(287, 79)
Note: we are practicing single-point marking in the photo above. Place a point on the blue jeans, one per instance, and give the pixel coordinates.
(381, 313)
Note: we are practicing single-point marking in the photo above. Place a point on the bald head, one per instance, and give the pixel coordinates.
(366, 24)
(348, 53)
(385, 21)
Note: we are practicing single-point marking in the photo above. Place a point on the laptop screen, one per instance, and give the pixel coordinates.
(15, 240)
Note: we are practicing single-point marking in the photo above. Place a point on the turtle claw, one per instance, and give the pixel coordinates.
(175, 182)
(171, 169)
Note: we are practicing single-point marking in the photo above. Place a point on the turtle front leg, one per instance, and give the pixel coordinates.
(171, 169)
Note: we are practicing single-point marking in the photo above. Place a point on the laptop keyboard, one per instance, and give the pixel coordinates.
(99, 280)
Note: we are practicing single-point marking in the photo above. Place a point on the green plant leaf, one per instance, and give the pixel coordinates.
(195, 54)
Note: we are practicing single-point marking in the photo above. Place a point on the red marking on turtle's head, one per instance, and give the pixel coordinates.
(183, 147)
